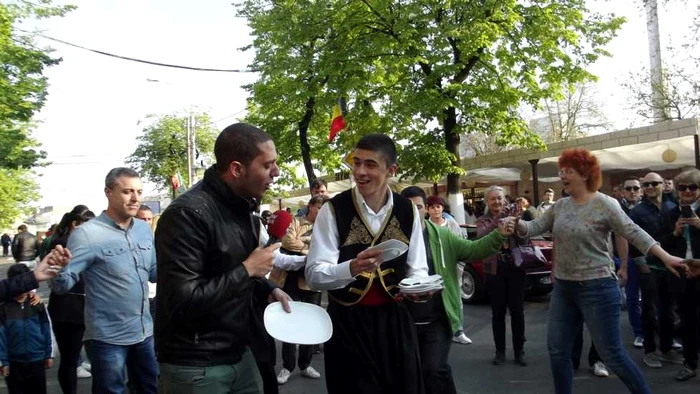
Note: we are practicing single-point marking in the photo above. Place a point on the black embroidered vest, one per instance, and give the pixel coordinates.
(355, 236)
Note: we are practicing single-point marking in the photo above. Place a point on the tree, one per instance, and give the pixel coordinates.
(22, 83)
(576, 115)
(674, 89)
(18, 190)
(162, 147)
(435, 70)
(22, 94)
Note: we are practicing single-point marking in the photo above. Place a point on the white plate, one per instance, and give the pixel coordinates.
(308, 324)
(391, 249)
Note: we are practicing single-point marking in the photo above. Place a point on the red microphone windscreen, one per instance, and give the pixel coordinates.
(278, 224)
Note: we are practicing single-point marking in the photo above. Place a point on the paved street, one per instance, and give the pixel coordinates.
(471, 363)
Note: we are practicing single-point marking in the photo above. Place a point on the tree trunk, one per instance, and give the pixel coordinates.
(304, 140)
(454, 197)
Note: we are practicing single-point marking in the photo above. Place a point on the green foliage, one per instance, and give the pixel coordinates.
(18, 190)
(22, 94)
(22, 83)
(162, 147)
(408, 66)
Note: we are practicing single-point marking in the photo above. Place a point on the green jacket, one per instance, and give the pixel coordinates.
(447, 249)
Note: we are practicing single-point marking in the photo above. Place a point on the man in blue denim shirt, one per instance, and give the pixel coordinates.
(116, 257)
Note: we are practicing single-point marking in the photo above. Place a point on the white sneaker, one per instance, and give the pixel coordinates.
(461, 338)
(677, 345)
(638, 342)
(82, 373)
(86, 366)
(310, 373)
(283, 376)
(599, 369)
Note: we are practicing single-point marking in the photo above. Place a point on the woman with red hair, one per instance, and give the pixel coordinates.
(586, 288)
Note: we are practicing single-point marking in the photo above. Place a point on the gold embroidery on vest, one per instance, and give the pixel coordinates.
(393, 231)
(358, 233)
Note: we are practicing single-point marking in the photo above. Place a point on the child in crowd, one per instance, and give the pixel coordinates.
(26, 346)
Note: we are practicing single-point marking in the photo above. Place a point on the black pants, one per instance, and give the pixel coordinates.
(289, 350)
(593, 356)
(5, 250)
(660, 290)
(373, 350)
(690, 318)
(269, 378)
(506, 290)
(27, 378)
(434, 340)
(69, 338)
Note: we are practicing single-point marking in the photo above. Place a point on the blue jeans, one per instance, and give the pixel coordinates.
(597, 303)
(108, 362)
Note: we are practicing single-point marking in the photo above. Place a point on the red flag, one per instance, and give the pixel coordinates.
(337, 122)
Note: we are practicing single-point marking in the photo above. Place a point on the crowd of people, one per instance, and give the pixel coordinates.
(184, 306)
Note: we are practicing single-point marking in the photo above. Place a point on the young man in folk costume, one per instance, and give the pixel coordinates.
(374, 346)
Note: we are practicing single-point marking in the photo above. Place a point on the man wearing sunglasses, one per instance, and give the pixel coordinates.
(659, 287)
(632, 196)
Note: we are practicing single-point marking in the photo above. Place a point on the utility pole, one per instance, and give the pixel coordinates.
(658, 88)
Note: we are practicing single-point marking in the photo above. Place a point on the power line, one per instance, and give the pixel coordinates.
(140, 60)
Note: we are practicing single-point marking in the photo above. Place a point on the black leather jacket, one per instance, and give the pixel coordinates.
(204, 292)
(24, 247)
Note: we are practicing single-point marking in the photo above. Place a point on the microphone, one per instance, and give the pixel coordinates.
(277, 226)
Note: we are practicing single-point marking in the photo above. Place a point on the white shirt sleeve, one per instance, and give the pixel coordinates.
(417, 259)
(288, 262)
(323, 272)
(282, 261)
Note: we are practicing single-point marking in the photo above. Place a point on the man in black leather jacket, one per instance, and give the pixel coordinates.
(24, 247)
(211, 268)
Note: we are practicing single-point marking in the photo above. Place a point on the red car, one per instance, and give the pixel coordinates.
(538, 278)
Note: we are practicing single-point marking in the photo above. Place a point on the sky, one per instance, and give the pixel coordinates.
(97, 105)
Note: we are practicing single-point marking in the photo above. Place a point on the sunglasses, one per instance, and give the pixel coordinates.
(681, 187)
(630, 188)
(652, 184)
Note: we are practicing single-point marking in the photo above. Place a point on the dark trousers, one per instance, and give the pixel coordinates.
(69, 338)
(289, 350)
(506, 291)
(593, 356)
(5, 250)
(634, 309)
(373, 350)
(269, 377)
(660, 290)
(434, 341)
(689, 303)
(27, 378)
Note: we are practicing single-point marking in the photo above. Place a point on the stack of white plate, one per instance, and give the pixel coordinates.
(419, 285)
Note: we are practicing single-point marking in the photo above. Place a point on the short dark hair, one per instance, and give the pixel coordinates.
(435, 200)
(17, 269)
(22, 227)
(145, 207)
(238, 142)
(414, 191)
(116, 173)
(381, 143)
(548, 190)
(318, 182)
(317, 199)
(630, 178)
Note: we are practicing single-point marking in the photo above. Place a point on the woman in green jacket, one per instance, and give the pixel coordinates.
(440, 316)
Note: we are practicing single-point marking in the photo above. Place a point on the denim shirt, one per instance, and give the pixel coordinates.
(117, 265)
